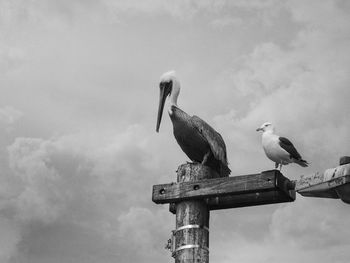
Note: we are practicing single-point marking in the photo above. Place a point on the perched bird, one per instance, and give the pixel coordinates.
(197, 139)
(279, 149)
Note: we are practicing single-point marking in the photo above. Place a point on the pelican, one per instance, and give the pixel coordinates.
(279, 149)
(200, 142)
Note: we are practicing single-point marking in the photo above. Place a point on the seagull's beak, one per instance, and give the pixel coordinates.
(259, 129)
(165, 90)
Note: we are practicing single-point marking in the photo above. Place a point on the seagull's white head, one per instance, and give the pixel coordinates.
(169, 87)
(267, 126)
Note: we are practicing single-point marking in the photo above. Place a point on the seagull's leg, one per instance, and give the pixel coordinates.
(276, 165)
(205, 157)
(280, 166)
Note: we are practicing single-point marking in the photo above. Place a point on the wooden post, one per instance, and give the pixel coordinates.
(191, 236)
(199, 190)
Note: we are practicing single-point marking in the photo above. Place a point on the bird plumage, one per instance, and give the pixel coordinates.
(279, 149)
(198, 140)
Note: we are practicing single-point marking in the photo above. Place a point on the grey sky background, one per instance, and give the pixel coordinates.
(78, 148)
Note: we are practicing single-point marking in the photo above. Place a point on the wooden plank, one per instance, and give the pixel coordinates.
(255, 183)
(344, 160)
(250, 199)
(329, 193)
(332, 183)
(325, 186)
(244, 200)
(324, 181)
(343, 192)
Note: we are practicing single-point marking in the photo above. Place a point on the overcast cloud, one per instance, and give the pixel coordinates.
(78, 148)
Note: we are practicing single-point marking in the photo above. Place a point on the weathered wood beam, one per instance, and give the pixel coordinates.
(245, 200)
(238, 190)
(332, 183)
(250, 199)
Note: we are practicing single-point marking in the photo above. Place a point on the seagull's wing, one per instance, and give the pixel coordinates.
(288, 146)
(214, 139)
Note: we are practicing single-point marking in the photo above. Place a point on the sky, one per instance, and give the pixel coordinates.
(79, 88)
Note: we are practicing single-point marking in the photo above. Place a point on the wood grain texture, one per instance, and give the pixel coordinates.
(281, 194)
(192, 212)
(344, 160)
(250, 199)
(266, 181)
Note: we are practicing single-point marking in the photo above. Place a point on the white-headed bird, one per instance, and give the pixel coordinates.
(279, 149)
(199, 141)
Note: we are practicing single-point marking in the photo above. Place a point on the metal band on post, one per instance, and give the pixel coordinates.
(188, 246)
(189, 227)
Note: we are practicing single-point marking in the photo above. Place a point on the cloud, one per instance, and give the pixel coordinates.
(323, 227)
(225, 22)
(9, 115)
(308, 230)
(296, 88)
(60, 14)
(10, 236)
(183, 9)
(84, 182)
(302, 89)
(10, 58)
(84, 196)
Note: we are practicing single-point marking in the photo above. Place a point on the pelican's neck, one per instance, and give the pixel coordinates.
(173, 100)
(174, 94)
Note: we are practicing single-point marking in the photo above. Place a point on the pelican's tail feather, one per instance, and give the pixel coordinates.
(302, 163)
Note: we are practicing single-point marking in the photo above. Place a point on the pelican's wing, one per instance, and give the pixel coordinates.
(288, 146)
(214, 139)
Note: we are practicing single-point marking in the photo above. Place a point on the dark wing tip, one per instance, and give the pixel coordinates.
(288, 146)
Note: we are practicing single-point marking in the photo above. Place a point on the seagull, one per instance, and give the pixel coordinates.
(279, 149)
(197, 139)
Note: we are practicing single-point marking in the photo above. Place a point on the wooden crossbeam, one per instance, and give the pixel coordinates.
(332, 183)
(250, 199)
(228, 192)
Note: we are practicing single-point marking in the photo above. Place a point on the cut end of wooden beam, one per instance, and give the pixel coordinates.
(344, 160)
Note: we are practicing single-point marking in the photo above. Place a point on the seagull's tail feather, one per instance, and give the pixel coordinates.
(302, 162)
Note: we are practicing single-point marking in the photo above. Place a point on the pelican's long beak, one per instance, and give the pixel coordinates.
(164, 92)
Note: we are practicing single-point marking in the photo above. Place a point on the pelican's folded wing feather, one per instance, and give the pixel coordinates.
(214, 139)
